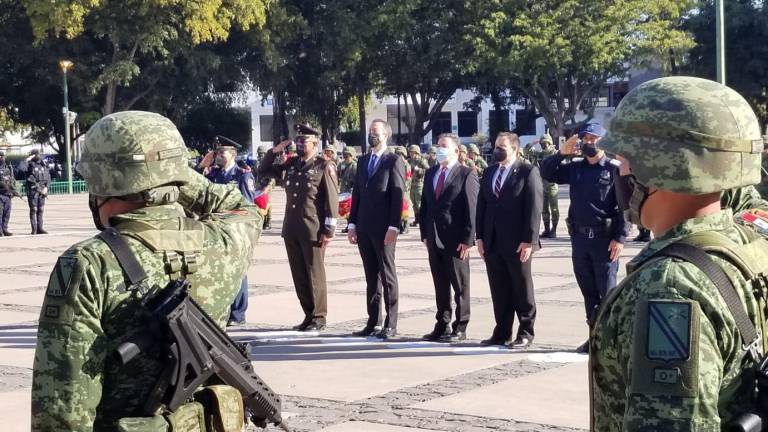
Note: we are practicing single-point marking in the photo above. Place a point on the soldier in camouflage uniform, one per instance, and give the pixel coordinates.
(329, 152)
(400, 150)
(419, 168)
(347, 170)
(432, 156)
(550, 214)
(474, 155)
(463, 158)
(7, 192)
(665, 351)
(139, 181)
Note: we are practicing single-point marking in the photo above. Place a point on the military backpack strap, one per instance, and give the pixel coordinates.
(698, 257)
(126, 258)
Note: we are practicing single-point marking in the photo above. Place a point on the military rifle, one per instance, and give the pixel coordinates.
(198, 352)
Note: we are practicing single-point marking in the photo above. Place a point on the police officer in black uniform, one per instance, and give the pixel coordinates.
(311, 211)
(595, 221)
(38, 177)
(7, 192)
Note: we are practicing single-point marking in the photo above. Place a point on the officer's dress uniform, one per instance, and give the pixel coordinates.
(246, 183)
(38, 178)
(594, 220)
(311, 210)
(88, 310)
(7, 191)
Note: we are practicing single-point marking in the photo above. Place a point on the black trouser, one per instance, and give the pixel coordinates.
(36, 203)
(5, 211)
(448, 270)
(512, 293)
(380, 277)
(307, 261)
(595, 272)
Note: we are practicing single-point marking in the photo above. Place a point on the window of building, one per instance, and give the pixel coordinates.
(467, 123)
(265, 128)
(441, 124)
(525, 122)
(501, 116)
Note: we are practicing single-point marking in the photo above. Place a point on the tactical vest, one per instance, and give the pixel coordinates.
(215, 408)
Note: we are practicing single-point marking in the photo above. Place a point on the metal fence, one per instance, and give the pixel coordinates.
(57, 187)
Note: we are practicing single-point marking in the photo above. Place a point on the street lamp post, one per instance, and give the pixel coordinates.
(65, 65)
(720, 40)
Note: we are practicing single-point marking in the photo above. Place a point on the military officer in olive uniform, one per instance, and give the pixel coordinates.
(400, 150)
(347, 170)
(7, 192)
(474, 155)
(464, 158)
(38, 177)
(311, 211)
(432, 156)
(419, 168)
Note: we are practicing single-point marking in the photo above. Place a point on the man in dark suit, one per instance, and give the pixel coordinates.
(508, 218)
(447, 224)
(374, 222)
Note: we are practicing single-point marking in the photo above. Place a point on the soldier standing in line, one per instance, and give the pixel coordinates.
(7, 192)
(551, 211)
(474, 155)
(311, 213)
(347, 170)
(220, 167)
(675, 344)
(38, 177)
(400, 151)
(329, 152)
(464, 158)
(419, 168)
(432, 156)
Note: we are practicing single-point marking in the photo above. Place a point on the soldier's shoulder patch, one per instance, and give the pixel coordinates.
(665, 354)
(63, 286)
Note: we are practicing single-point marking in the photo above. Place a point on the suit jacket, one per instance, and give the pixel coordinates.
(377, 202)
(451, 217)
(312, 193)
(514, 216)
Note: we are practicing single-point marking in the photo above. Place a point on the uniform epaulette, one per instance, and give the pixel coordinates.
(614, 162)
(575, 159)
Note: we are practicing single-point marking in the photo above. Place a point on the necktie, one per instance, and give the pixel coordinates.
(372, 164)
(497, 183)
(440, 183)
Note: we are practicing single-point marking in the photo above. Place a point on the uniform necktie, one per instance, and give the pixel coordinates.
(440, 183)
(372, 164)
(497, 183)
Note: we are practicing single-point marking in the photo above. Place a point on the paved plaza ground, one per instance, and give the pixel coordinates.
(331, 381)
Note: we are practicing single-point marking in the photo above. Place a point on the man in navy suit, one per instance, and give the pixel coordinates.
(374, 222)
(508, 217)
(447, 224)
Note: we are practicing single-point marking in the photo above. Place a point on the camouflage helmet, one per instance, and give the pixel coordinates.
(349, 150)
(473, 149)
(401, 151)
(414, 148)
(546, 138)
(687, 135)
(132, 151)
(331, 148)
(432, 150)
(262, 149)
(462, 148)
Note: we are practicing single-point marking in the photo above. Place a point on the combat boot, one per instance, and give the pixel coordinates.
(7, 233)
(267, 223)
(546, 232)
(553, 231)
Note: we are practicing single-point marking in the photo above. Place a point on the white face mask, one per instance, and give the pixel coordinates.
(444, 154)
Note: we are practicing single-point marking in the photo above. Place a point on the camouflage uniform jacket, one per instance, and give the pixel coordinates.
(627, 393)
(480, 165)
(87, 312)
(347, 173)
(419, 169)
(535, 157)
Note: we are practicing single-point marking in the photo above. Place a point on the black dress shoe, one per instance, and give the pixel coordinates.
(302, 325)
(414, 224)
(457, 336)
(315, 326)
(366, 331)
(42, 231)
(583, 348)
(386, 333)
(345, 230)
(494, 341)
(438, 335)
(7, 234)
(521, 343)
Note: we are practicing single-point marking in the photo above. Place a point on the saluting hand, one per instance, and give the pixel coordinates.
(280, 147)
(569, 147)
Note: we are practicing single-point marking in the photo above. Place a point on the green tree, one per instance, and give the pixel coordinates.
(559, 52)
(137, 34)
(746, 47)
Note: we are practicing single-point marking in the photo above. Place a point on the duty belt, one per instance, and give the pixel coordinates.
(590, 231)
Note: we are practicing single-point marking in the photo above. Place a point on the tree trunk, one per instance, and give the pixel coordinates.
(361, 113)
(109, 99)
(497, 106)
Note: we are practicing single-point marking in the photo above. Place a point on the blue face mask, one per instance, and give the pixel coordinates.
(443, 154)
